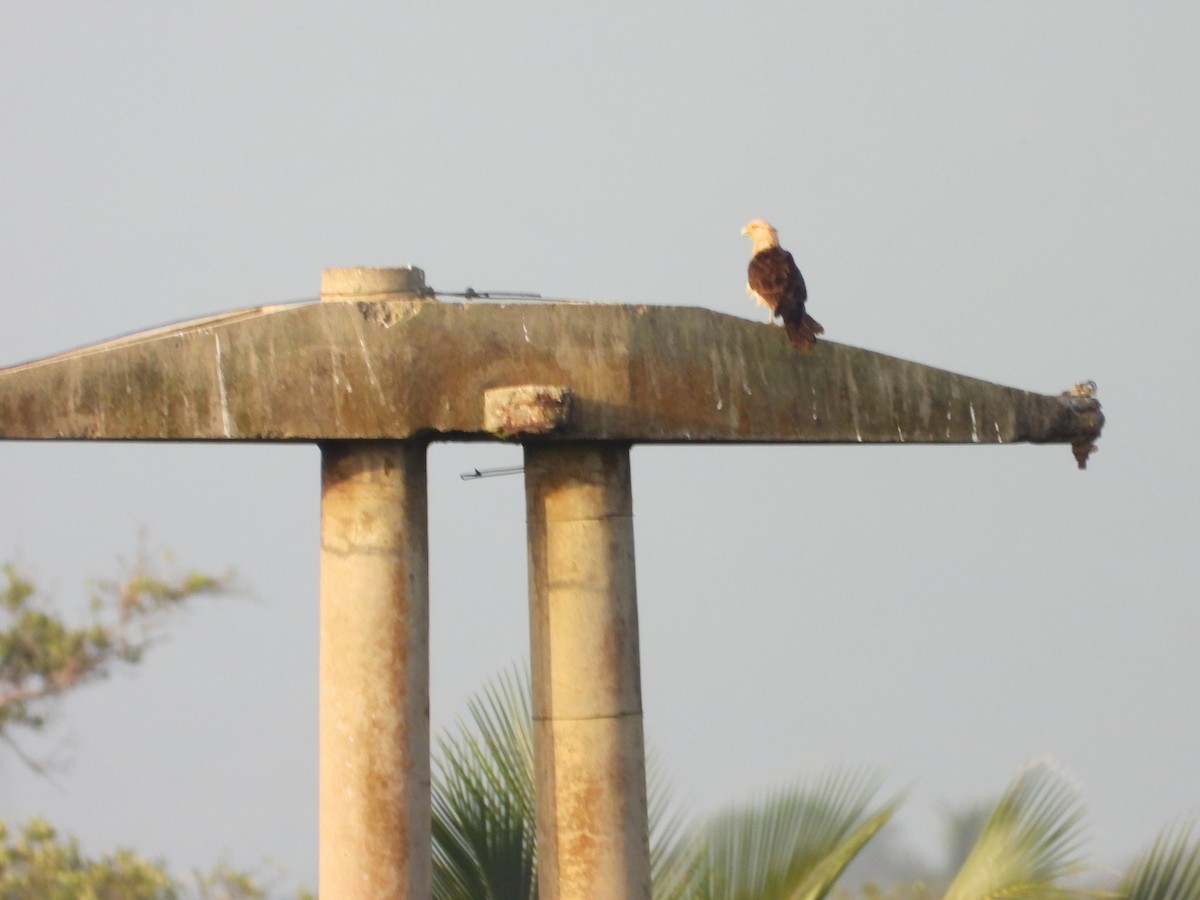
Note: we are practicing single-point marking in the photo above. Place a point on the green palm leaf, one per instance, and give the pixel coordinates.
(483, 810)
(826, 872)
(668, 829)
(1170, 871)
(1028, 845)
(792, 845)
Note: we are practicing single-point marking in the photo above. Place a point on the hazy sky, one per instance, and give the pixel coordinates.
(1005, 190)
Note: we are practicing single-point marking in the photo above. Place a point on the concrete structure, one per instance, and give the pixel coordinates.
(589, 756)
(374, 682)
(374, 685)
(379, 369)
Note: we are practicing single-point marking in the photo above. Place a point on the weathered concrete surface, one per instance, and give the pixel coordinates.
(589, 755)
(397, 368)
(365, 283)
(527, 409)
(374, 687)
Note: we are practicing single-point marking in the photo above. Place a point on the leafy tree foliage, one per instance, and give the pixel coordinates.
(36, 862)
(42, 655)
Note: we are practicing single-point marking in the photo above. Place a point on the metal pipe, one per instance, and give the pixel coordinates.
(592, 831)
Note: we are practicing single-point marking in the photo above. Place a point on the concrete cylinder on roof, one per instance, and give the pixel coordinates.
(374, 672)
(592, 829)
(362, 283)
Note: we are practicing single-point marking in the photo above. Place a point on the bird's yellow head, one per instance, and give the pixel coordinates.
(762, 235)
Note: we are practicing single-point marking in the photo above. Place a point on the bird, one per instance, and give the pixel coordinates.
(774, 281)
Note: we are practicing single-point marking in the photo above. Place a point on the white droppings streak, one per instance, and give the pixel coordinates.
(526, 330)
(221, 389)
(974, 424)
(716, 387)
(367, 360)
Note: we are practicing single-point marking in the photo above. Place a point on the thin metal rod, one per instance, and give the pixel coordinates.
(374, 689)
(589, 754)
(472, 294)
(491, 473)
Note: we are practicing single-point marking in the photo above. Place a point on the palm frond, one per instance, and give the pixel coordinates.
(1169, 871)
(483, 808)
(668, 825)
(826, 872)
(792, 844)
(1028, 845)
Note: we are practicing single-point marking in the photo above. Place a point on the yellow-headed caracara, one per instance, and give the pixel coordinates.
(774, 281)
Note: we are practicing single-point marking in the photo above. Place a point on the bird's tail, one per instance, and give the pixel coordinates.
(803, 331)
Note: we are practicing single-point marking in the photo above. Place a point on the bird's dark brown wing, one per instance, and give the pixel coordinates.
(774, 276)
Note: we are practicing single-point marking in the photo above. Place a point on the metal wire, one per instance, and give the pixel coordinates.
(472, 294)
(491, 473)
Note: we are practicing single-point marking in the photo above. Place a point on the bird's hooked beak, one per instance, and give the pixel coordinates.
(746, 231)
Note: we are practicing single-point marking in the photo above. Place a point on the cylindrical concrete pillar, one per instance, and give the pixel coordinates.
(374, 689)
(592, 831)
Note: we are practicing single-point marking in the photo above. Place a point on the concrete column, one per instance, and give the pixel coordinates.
(374, 690)
(592, 832)
(374, 693)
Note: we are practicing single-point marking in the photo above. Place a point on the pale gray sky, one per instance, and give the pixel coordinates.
(1005, 190)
